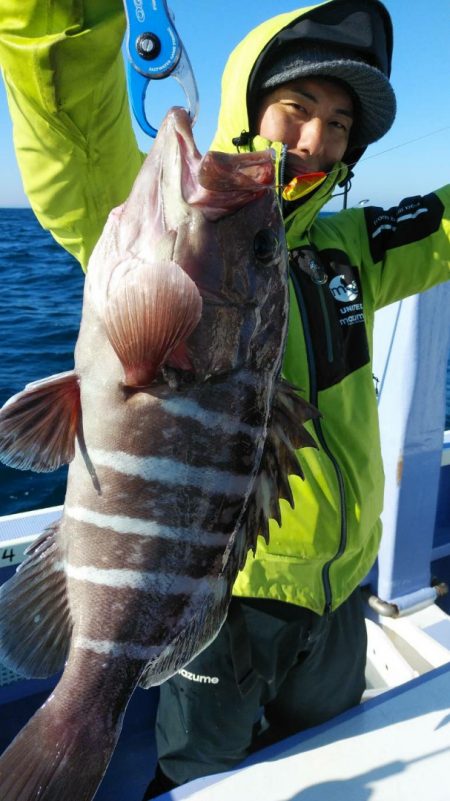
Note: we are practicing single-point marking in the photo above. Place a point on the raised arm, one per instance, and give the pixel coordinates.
(64, 76)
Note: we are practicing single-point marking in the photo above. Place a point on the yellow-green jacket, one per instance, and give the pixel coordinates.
(78, 158)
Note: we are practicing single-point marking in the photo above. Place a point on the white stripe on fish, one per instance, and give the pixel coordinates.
(115, 649)
(170, 471)
(182, 407)
(142, 580)
(122, 524)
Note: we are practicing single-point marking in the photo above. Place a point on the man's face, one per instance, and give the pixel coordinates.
(313, 117)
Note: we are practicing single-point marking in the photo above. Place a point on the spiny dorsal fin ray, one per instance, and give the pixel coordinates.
(38, 425)
(151, 309)
(35, 623)
(290, 411)
(279, 460)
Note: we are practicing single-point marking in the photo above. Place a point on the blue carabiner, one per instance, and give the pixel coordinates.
(155, 51)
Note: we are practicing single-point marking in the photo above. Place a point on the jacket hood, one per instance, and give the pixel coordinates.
(261, 46)
(233, 115)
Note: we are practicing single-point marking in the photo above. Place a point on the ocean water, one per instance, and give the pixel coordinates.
(40, 307)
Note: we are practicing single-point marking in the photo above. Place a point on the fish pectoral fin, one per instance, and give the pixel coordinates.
(151, 309)
(285, 436)
(35, 622)
(38, 425)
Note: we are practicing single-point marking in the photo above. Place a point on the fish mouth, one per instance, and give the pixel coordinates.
(219, 184)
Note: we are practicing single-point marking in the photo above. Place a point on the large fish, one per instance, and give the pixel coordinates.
(180, 437)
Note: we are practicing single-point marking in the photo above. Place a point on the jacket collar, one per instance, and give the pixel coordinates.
(299, 216)
(300, 219)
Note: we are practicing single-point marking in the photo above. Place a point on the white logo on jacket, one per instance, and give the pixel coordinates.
(342, 292)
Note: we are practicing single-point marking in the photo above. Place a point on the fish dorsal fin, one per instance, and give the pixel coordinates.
(38, 425)
(150, 310)
(286, 434)
(35, 622)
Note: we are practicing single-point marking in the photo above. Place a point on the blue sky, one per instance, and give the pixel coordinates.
(393, 168)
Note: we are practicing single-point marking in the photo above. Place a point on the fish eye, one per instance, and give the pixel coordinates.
(265, 245)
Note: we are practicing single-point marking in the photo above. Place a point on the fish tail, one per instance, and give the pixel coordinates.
(55, 757)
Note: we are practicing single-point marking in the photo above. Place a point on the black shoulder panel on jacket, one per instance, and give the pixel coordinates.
(414, 219)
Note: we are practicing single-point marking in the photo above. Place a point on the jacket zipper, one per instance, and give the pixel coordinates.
(319, 278)
(318, 428)
(281, 172)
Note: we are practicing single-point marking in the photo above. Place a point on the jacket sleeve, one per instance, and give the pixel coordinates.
(406, 249)
(77, 153)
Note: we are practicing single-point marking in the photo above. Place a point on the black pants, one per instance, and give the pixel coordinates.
(307, 669)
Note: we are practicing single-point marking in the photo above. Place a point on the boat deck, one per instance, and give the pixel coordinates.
(395, 746)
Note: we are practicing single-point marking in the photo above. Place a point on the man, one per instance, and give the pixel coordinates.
(313, 85)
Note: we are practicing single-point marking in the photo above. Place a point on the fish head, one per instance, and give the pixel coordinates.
(197, 253)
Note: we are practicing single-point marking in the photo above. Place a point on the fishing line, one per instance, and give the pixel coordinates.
(408, 142)
(389, 352)
(401, 144)
(394, 147)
